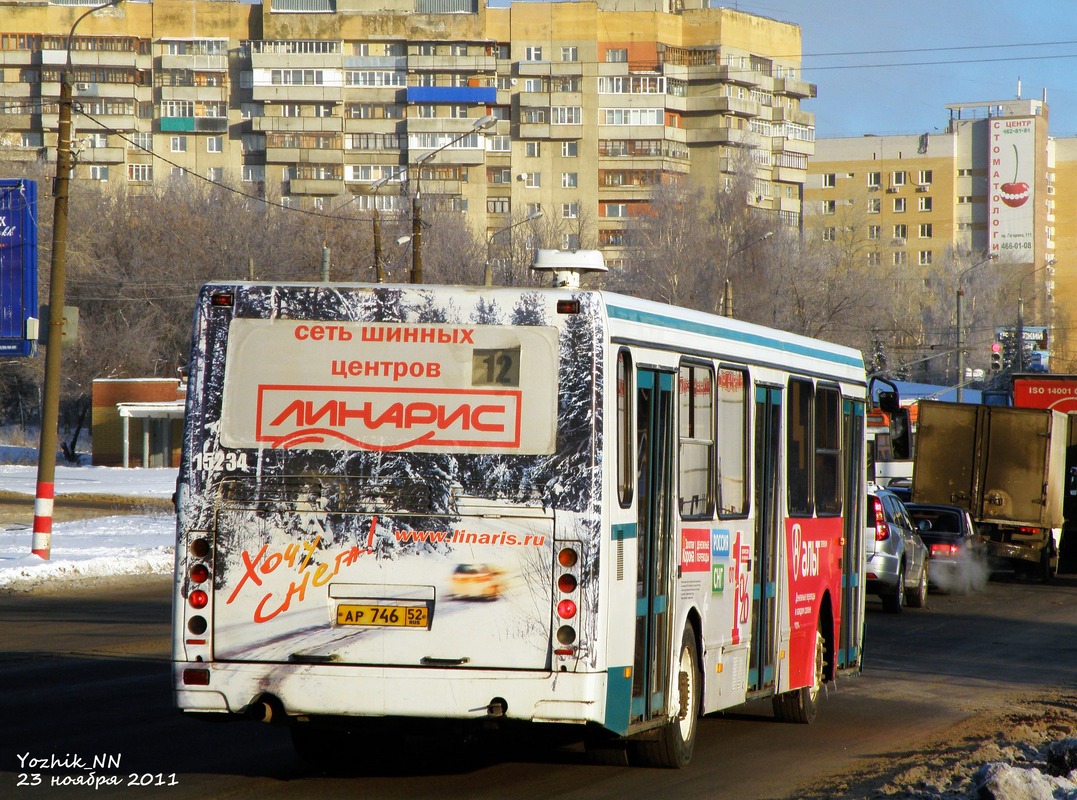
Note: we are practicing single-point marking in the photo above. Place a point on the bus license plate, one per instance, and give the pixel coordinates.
(384, 616)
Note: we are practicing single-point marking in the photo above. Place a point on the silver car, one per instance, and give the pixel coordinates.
(896, 557)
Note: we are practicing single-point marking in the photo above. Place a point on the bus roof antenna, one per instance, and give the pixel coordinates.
(566, 265)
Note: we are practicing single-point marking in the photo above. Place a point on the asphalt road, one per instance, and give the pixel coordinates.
(84, 674)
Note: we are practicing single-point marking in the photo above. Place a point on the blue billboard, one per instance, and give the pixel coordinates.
(18, 267)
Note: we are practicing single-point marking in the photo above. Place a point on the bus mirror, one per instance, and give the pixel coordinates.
(900, 435)
(889, 402)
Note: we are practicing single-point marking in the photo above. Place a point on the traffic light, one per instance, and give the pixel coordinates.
(996, 357)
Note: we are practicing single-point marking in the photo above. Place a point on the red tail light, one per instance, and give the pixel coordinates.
(882, 530)
(944, 550)
(1027, 529)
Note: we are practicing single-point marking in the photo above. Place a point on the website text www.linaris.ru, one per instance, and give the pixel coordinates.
(462, 536)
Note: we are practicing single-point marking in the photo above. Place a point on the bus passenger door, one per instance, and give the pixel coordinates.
(852, 607)
(654, 450)
(768, 521)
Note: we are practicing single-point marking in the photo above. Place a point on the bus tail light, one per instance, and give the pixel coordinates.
(568, 583)
(196, 677)
(198, 599)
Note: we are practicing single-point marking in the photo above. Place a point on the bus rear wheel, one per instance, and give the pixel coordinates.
(674, 743)
(802, 705)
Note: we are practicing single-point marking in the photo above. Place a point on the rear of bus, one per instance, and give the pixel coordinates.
(382, 511)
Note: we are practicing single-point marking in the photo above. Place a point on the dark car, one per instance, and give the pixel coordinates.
(957, 552)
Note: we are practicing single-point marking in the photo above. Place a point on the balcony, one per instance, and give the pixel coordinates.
(297, 93)
(303, 155)
(197, 94)
(477, 95)
(296, 60)
(194, 124)
(481, 63)
(297, 124)
(795, 88)
(101, 155)
(330, 187)
(199, 63)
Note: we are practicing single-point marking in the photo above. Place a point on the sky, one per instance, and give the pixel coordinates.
(892, 67)
(93, 549)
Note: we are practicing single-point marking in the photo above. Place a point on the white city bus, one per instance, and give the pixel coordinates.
(406, 504)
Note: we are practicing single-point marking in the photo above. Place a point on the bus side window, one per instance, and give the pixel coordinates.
(625, 475)
(800, 448)
(732, 449)
(828, 476)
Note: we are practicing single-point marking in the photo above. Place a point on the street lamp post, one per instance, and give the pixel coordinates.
(488, 268)
(727, 294)
(41, 544)
(379, 267)
(961, 325)
(1020, 333)
(480, 124)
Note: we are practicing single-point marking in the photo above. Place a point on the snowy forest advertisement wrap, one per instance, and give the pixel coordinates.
(385, 472)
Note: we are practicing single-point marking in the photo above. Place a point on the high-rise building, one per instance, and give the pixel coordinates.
(313, 100)
(980, 192)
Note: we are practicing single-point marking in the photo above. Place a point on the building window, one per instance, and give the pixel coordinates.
(533, 180)
(140, 141)
(532, 149)
(897, 178)
(874, 231)
(875, 205)
(925, 258)
(617, 55)
(533, 54)
(570, 241)
(924, 178)
(829, 180)
(619, 210)
(457, 49)
(140, 173)
(925, 203)
(215, 174)
(533, 116)
(498, 205)
(569, 180)
(499, 144)
(254, 173)
(964, 173)
(830, 207)
(899, 205)
(566, 115)
(873, 259)
(925, 230)
(215, 144)
(532, 84)
(874, 180)
(458, 112)
(427, 111)
(900, 258)
(569, 149)
(829, 234)
(98, 172)
(901, 231)
(964, 200)
(291, 110)
(570, 210)
(570, 54)
(178, 144)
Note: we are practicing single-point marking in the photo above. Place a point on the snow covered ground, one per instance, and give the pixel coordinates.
(91, 548)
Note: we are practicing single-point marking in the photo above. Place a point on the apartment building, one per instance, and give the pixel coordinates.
(318, 102)
(985, 184)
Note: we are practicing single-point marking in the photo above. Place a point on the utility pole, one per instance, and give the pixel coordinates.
(45, 493)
